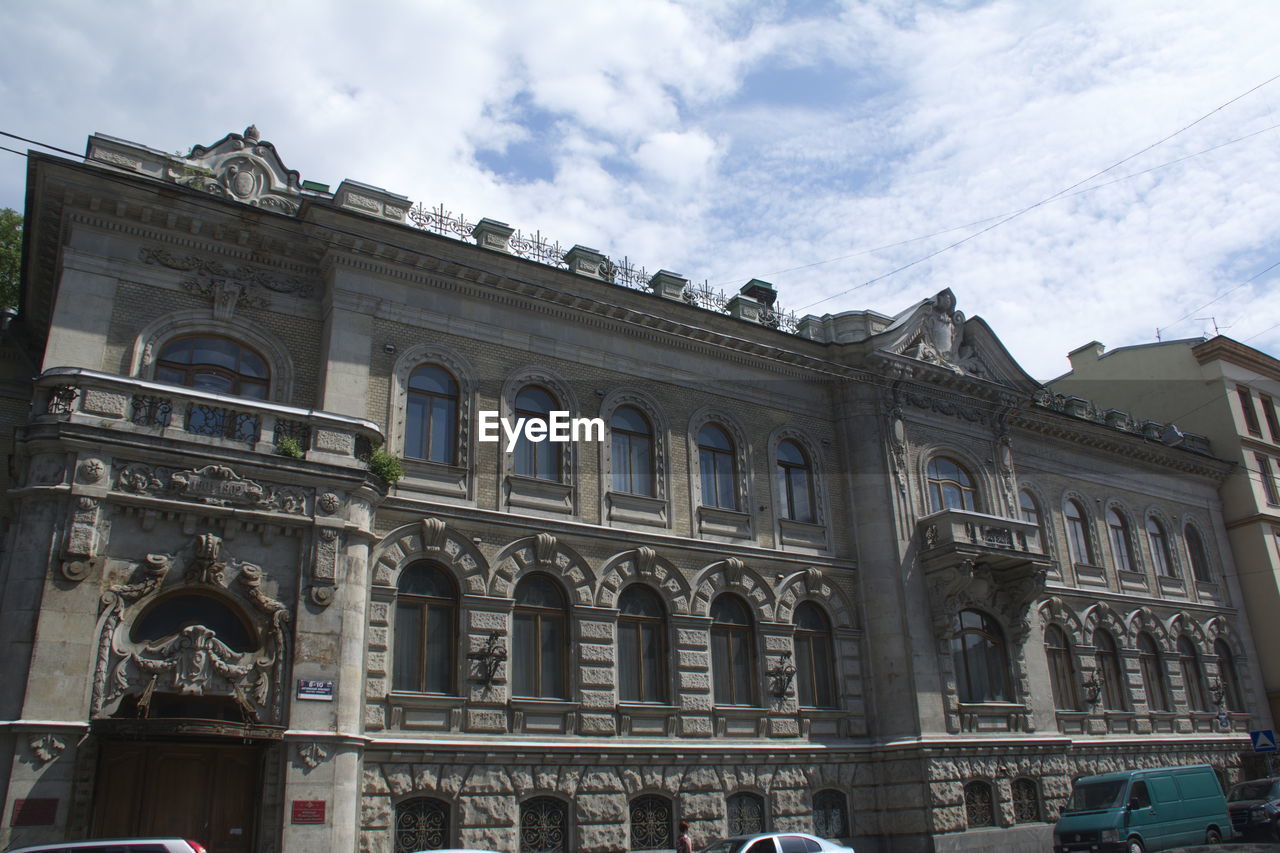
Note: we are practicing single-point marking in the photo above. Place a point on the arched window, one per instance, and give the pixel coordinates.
(950, 486)
(1161, 557)
(831, 814)
(1062, 669)
(979, 804)
(541, 637)
(651, 823)
(733, 655)
(1231, 694)
(745, 814)
(1108, 669)
(1192, 674)
(540, 459)
(544, 826)
(431, 415)
(1026, 801)
(422, 823)
(1118, 532)
(716, 464)
(1152, 667)
(795, 483)
(1078, 545)
(170, 615)
(642, 647)
(981, 663)
(632, 449)
(1029, 509)
(1197, 556)
(815, 677)
(425, 630)
(214, 364)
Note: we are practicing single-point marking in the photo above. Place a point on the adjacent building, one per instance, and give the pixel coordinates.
(1227, 391)
(267, 584)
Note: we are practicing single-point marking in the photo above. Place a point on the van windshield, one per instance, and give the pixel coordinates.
(1093, 796)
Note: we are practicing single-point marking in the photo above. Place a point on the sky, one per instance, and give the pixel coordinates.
(1110, 169)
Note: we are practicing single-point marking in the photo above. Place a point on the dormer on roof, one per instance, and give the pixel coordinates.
(241, 167)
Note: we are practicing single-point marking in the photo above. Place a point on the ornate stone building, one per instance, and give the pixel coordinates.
(855, 574)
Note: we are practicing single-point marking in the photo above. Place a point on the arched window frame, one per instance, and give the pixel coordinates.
(746, 813)
(1192, 671)
(1031, 510)
(535, 496)
(734, 681)
(979, 803)
(1122, 537)
(439, 447)
(816, 678)
(540, 618)
(1155, 684)
(1110, 669)
(831, 814)
(937, 482)
(971, 686)
(625, 508)
(152, 339)
(1200, 566)
(795, 535)
(647, 670)
(545, 825)
(427, 609)
(1229, 675)
(1082, 545)
(253, 636)
(1064, 680)
(1164, 562)
(242, 381)
(652, 822)
(455, 480)
(423, 823)
(711, 521)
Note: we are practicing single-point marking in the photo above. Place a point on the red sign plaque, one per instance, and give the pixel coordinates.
(41, 811)
(308, 811)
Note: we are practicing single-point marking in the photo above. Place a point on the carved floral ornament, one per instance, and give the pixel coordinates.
(240, 167)
(45, 747)
(967, 583)
(193, 660)
(215, 485)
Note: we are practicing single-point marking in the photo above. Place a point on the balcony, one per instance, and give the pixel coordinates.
(998, 543)
(154, 409)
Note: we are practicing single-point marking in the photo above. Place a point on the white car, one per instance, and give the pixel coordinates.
(776, 842)
(116, 845)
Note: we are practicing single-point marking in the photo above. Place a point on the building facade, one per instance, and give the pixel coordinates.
(848, 574)
(1227, 391)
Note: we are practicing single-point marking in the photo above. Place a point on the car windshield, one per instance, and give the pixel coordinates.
(1092, 796)
(727, 845)
(1260, 790)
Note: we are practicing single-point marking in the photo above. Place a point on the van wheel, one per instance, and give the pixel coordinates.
(1213, 836)
(1135, 846)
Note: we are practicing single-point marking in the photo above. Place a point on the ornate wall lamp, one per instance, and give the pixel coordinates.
(490, 657)
(782, 673)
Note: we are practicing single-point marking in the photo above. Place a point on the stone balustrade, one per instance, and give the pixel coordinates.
(78, 395)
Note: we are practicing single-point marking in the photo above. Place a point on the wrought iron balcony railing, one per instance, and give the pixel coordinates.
(78, 395)
(997, 540)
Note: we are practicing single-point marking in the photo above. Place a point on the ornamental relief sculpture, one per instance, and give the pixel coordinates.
(215, 485)
(240, 656)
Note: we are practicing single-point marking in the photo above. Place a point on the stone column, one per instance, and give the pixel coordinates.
(597, 680)
(693, 674)
(348, 346)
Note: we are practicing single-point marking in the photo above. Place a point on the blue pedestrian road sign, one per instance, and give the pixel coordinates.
(1264, 740)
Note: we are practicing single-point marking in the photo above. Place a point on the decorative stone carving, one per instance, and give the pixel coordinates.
(813, 579)
(898, 447)
(92, 470)
(80, 545)
(646, 557)
(312, 754)
(324, 565)
(114, 600)
(249, 279)
(207, 566)
(243, 168)
(433, 530)
(216, 485)
(226, 295)
(45, 747)
(544, 549)
(328, 503)
(733, 568)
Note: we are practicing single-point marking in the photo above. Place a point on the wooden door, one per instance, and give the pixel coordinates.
(199, 791)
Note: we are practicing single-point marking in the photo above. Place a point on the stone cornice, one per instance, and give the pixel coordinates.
(1231, 351)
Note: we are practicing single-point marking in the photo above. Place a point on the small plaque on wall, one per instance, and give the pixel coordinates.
(308, 811)
(34, 811)
(318, 691)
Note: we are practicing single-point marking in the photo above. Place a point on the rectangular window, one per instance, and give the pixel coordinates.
(1269, 412)
(1268, 478)
(1250, 413)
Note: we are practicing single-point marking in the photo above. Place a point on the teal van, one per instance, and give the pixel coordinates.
(1136, 810)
